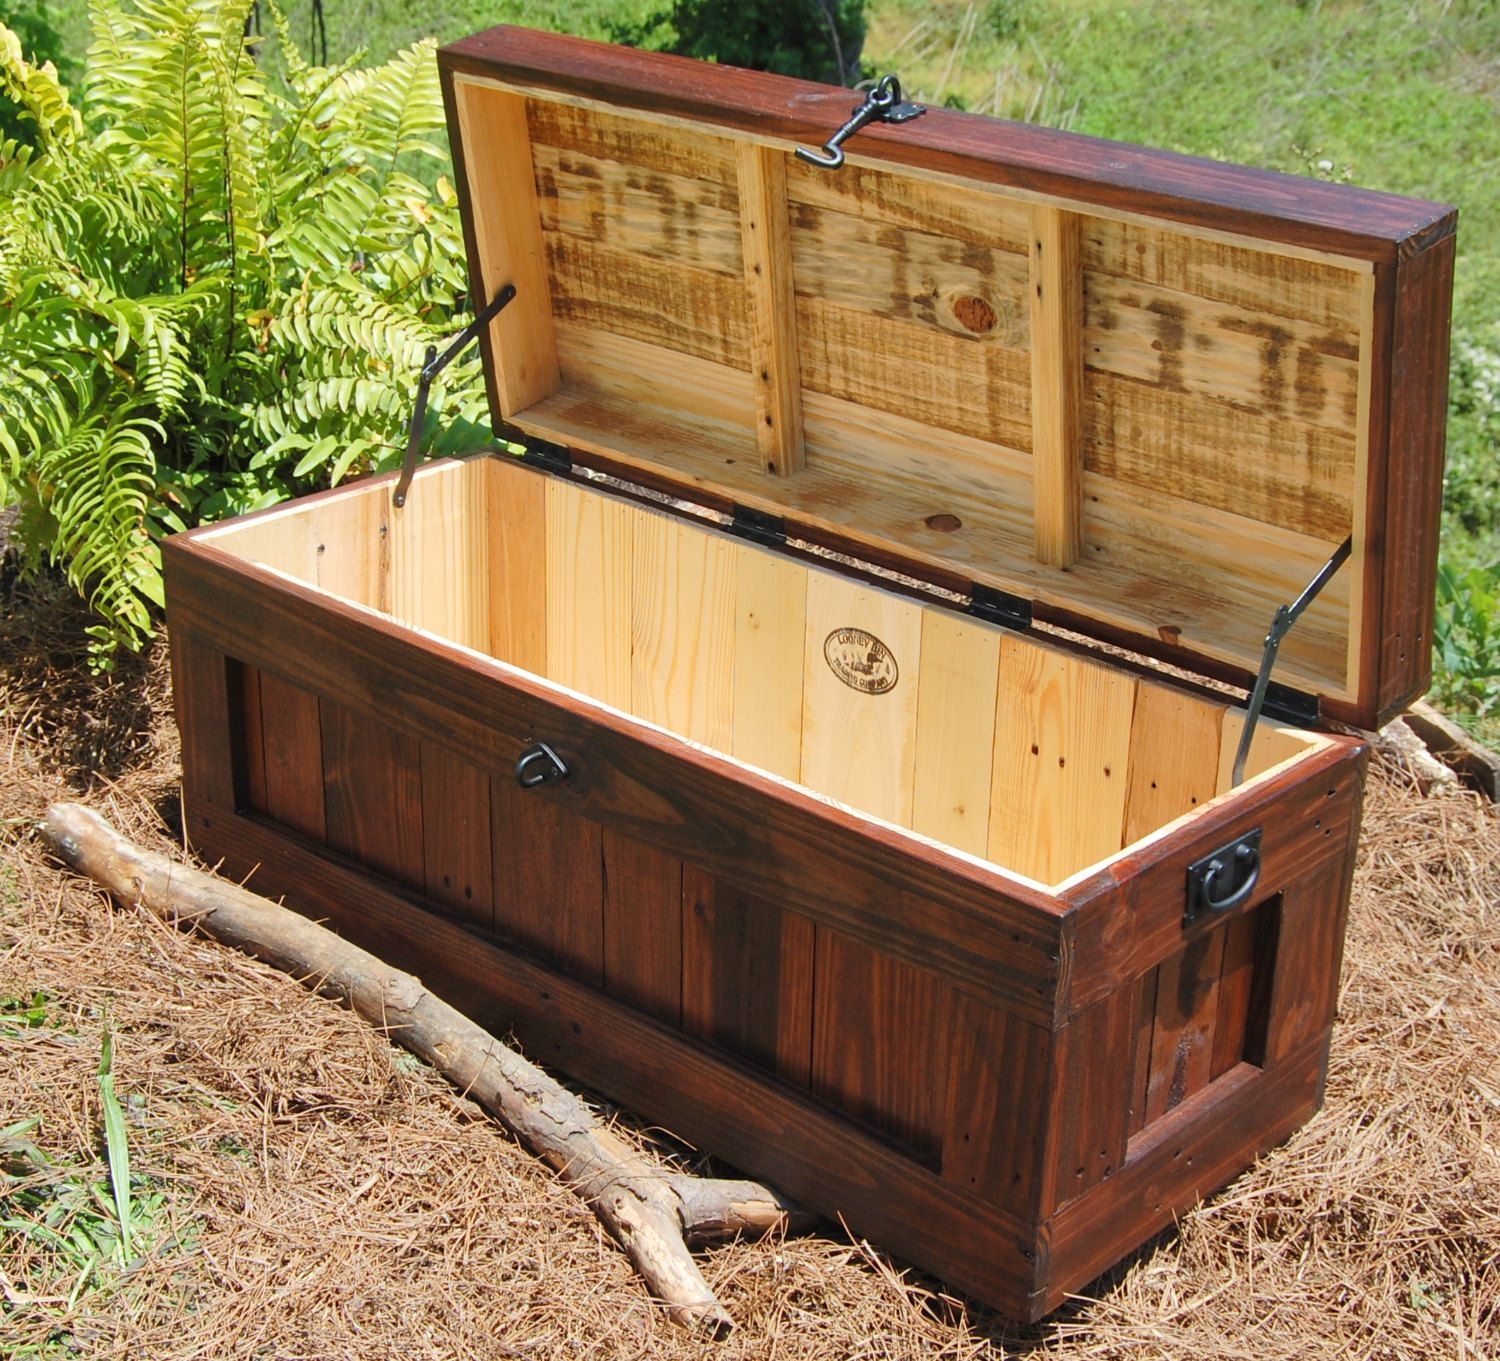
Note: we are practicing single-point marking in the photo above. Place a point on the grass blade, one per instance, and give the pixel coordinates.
(116, 1146)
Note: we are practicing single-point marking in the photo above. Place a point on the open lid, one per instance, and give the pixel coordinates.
(1150, 394)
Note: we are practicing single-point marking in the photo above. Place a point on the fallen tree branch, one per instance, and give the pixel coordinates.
(653, 1214)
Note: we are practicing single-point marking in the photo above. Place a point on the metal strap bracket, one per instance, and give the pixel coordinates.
(434, 364)
(1281, 625)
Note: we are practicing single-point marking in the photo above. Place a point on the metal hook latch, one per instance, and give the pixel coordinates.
(434, 364)
(882, 105)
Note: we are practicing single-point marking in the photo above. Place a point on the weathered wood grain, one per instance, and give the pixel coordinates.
(640, 143)
(775, 364)
(372, 791)
(504, 239)
(291, 736)
(667, 217)
(1057, 342)
(457, 853)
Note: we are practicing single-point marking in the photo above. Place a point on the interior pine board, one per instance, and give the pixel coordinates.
(868, 364)
(994, 743)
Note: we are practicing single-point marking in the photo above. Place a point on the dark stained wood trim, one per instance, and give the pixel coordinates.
(1198, 1148)
(970, 923)
(1110, 175)
(1410, 509)
(1129, 915)
(209, 727)
(760, 1125)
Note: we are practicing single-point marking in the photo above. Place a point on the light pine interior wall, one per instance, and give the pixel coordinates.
(1021, 752)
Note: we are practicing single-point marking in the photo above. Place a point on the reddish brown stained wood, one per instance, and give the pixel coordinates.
(755, 1122)
(1090, 1099)
(747, 972)
(1140, 1064)
(372, 782)
(244, 698)
(1193, 1151)
(292, 745)
(1304, 994)
(548, 879)
(998, 1068)
(1125, 178)
(643, 927)
(869, 1058)
(1130, 914)
(456, 835)
(1235, 985)
(1182, 1038)
(1409, 503)
(997, 936)
(200, 698)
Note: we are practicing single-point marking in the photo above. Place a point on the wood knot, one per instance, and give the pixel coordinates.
(944, 523)
(975, 314)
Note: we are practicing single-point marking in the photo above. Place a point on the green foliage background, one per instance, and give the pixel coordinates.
(214, 289)
(1394, 94)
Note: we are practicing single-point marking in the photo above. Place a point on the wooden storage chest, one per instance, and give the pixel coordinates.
(726, 748)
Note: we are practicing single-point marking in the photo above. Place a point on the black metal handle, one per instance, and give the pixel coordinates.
(1246, 864)
(539, 765)
(1223, 880)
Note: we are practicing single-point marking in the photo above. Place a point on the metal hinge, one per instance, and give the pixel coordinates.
(758, 526)
(550, 457)
(999, 607)
(1287, 705)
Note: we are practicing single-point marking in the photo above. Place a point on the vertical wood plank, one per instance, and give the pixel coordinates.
(589, 573)
(881, 1040)
(1174, 758)
(200, 701)
(292, 742)
(1187, 1009)
(1062, 746)
(284, 539)
(1090, 1106)
(438, 556)
(1057, 384)
(956, 697)
(859, 744)
(1270, 746)
(548, 878)
(1000, 1064)
(775, 371)
(516, 500)
(770, 626)
(747, 975)
(372, 780)
(507, 240)
(643, 926)
(1235, 987)
(244, 693)
(682, 629)
(348, 534)
(456, 835)
(1140, 1067)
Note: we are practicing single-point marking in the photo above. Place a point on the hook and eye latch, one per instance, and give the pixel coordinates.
(883, 104)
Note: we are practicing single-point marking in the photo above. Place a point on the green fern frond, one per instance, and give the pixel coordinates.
(37, 92)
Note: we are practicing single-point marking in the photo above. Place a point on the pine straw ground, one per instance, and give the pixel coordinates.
(320, 1195)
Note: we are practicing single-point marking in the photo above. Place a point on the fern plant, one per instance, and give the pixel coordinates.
(215, 290)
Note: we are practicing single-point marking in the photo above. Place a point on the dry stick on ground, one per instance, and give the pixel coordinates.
(653, 1214)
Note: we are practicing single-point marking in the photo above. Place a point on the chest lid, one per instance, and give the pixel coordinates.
(1150, 394)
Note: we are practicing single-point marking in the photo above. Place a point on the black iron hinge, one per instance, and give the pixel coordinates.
(758, 526)
(999, 607)
(550, 457)
(1287, 705)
